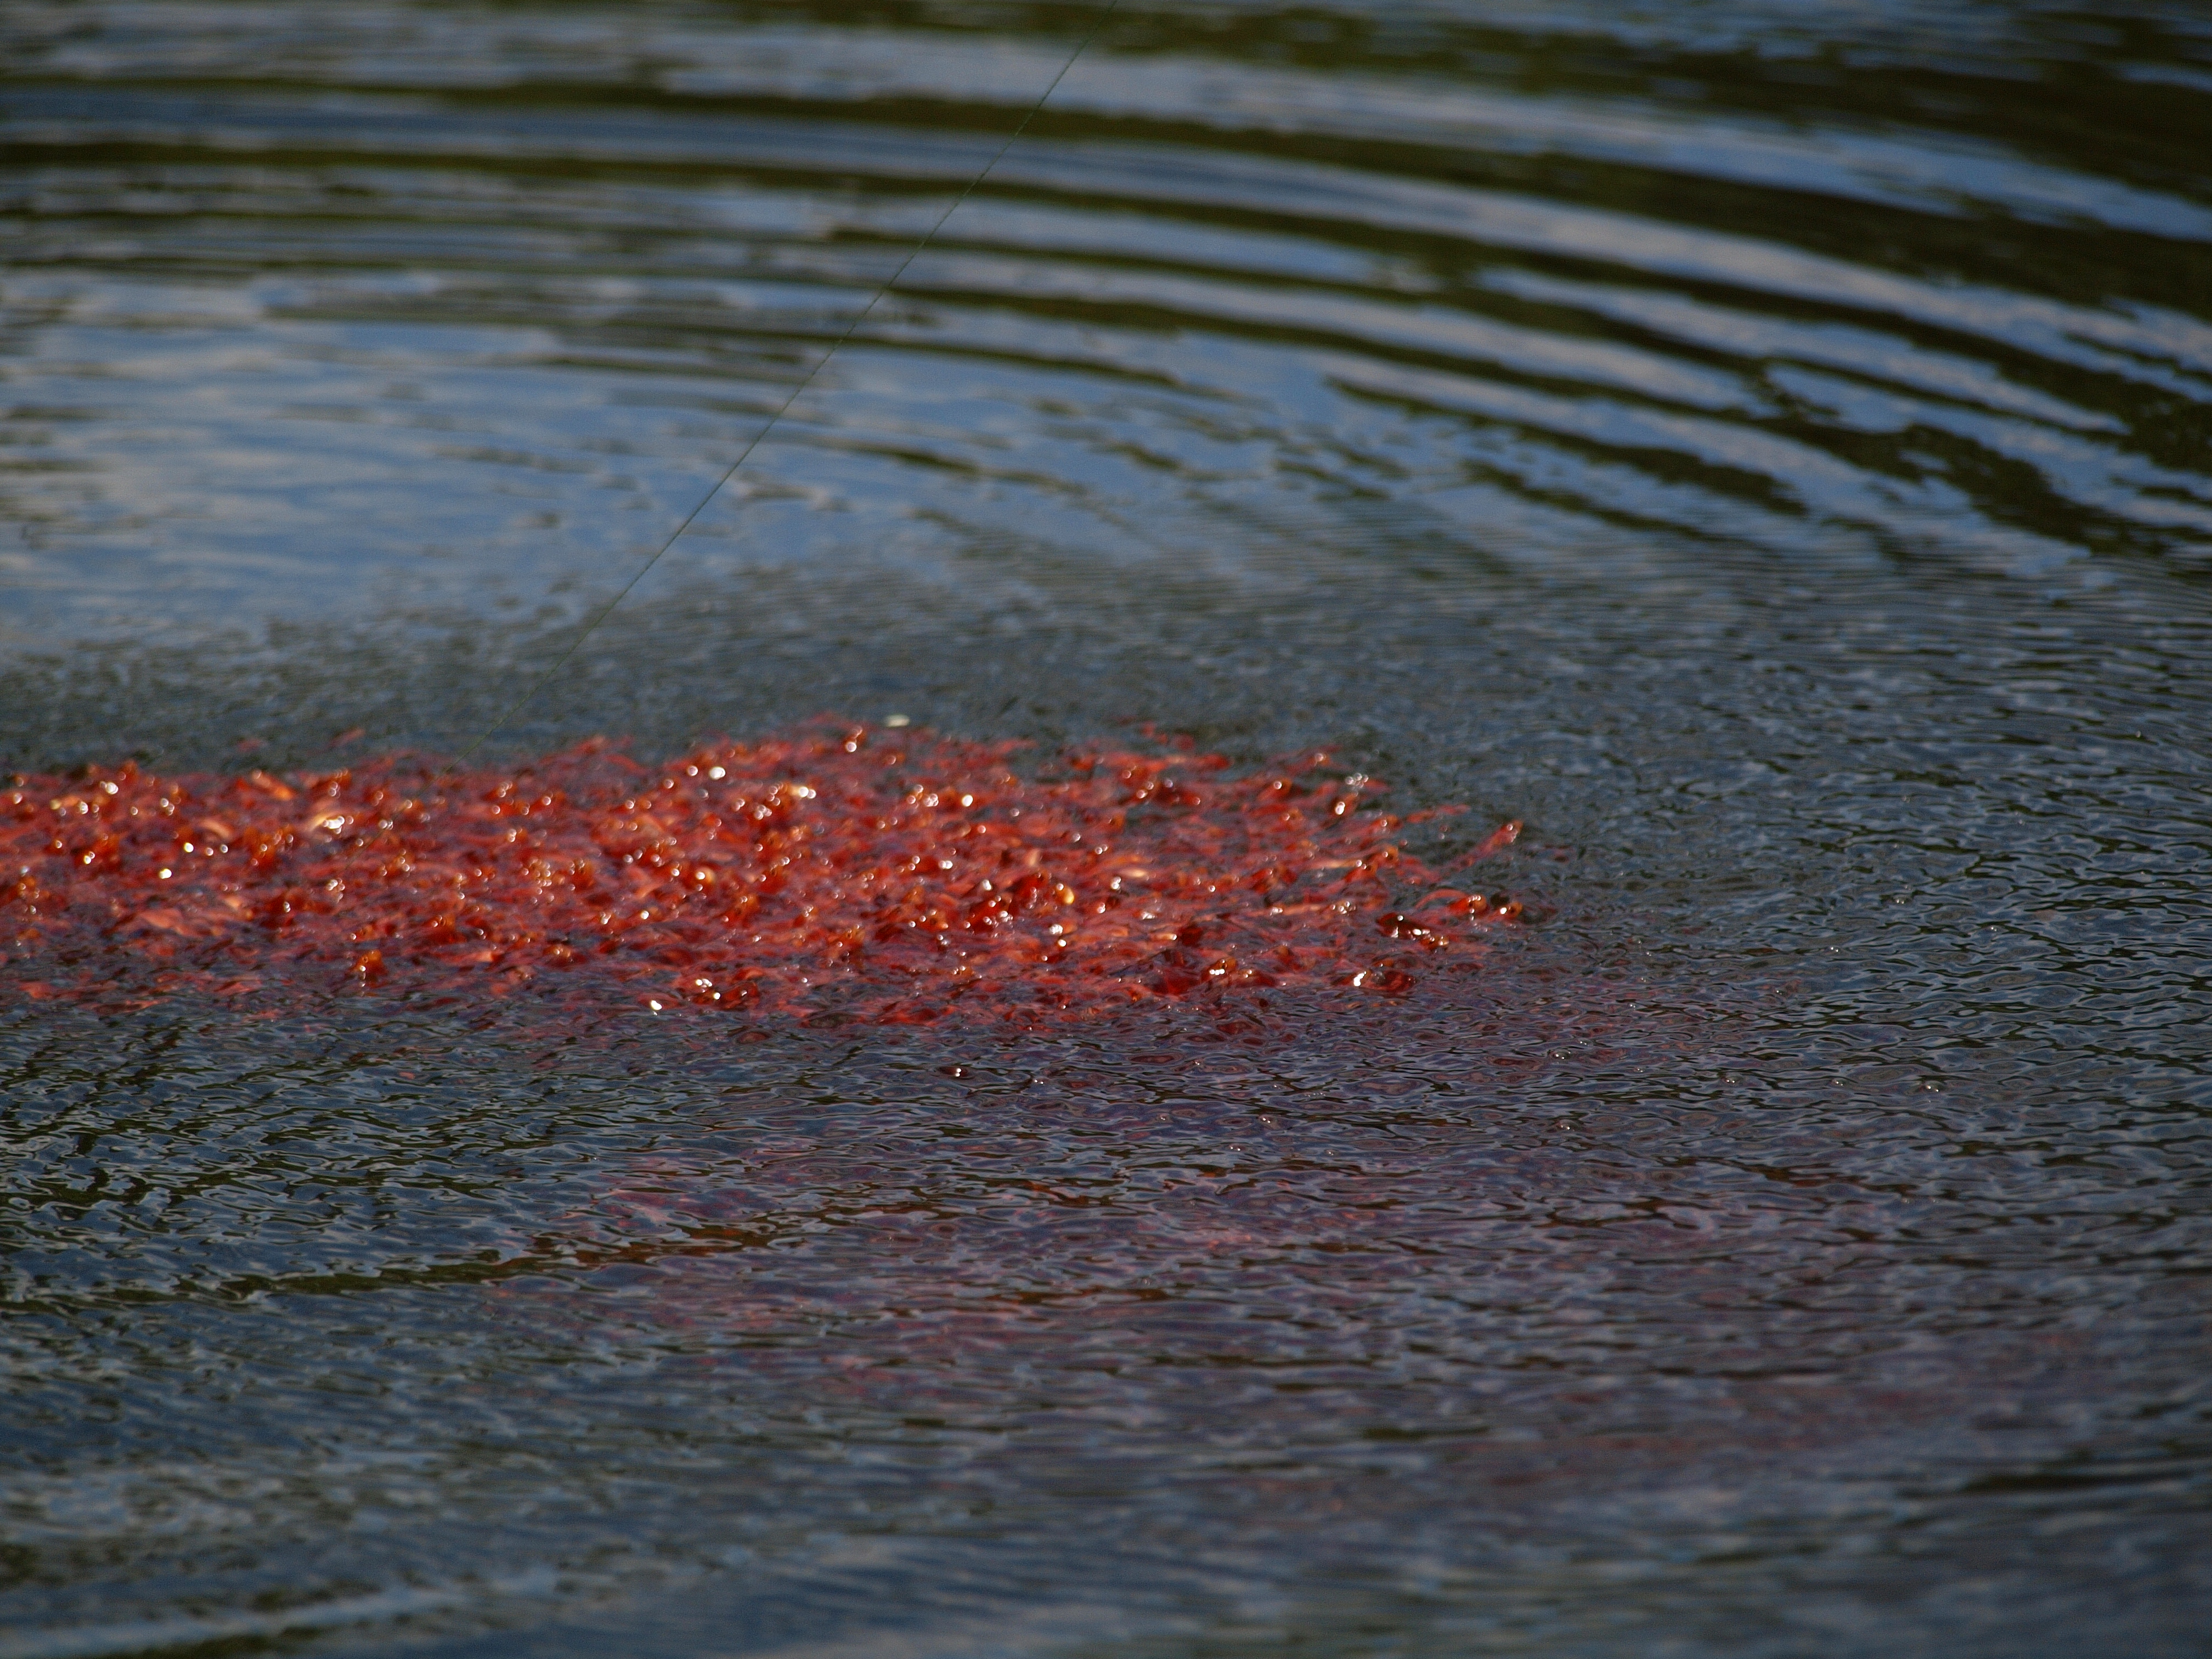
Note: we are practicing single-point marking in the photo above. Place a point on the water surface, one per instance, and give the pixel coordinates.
(1764, 448)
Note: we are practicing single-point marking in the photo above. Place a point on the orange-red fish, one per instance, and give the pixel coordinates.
(886, 876)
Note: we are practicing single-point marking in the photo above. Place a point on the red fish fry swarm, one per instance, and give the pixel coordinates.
(891, 876)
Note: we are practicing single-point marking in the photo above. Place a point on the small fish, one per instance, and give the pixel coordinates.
(820, 874)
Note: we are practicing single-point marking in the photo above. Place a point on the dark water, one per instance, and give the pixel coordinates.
(1764, 446)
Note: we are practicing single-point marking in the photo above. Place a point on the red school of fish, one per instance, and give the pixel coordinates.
(888, 876)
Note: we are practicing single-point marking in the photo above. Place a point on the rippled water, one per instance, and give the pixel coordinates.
(1764, 448)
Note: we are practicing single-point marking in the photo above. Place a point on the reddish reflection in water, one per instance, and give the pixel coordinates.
(893, 877)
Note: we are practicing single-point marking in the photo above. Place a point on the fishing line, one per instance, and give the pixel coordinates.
(538, 684)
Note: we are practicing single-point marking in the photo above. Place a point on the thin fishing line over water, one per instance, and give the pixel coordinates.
(530, 690)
